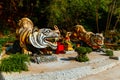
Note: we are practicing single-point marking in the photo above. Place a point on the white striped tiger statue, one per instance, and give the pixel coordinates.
(96, 41)
(38, 38)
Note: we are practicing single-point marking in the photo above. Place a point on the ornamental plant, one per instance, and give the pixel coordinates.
(82, 53)
(15, 63)
(6, 39)
(88, 49)
(81, 50)
(109, 52)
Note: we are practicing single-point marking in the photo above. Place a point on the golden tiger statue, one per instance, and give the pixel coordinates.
(95, 41)
(39, 38)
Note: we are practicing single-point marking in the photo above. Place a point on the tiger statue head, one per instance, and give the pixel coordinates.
(26, 33)
(97, 40)
(43, 38)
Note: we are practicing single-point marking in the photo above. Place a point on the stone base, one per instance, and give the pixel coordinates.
(69, 52)
(43, 58)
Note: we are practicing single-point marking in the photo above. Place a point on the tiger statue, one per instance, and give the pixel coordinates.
(39, 38)
(96, 41)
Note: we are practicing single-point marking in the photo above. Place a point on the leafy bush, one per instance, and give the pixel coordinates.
(82, 58)
(82, 51)
(6, 39)
(109, 52)
(14, 63)
(0, 48)
(88, 49)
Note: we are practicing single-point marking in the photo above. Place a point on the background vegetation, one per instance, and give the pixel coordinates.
(94, 15)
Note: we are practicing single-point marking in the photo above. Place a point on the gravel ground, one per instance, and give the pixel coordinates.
(72, 70)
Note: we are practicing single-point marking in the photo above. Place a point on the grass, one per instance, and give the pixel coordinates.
(15, 63)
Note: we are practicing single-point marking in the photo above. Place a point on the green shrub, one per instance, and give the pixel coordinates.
(88, 49)
(2, 41)
(14, 63)
(80, 50)
(6, 39)
(82, 58)
(109, 52)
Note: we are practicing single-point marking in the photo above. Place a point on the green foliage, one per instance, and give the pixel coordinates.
(88, 49)
(115, 38)
(81, 50)
(14, 63)
(82, 53)
(3, 41)
(104, 46)
(6, 32)
(82, 58)
(74, 45)
(64, 13)
(6, 39)
(57, 12)
(109, 52)
(0, 49)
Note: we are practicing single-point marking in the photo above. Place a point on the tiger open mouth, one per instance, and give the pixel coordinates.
(99, 42)
(51, 39)
(52, 42)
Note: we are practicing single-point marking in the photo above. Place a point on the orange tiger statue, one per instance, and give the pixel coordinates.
(95, 41)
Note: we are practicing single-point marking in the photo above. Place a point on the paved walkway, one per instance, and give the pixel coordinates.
(109, 74)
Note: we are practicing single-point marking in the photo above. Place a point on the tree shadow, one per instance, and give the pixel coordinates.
(1, 77)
